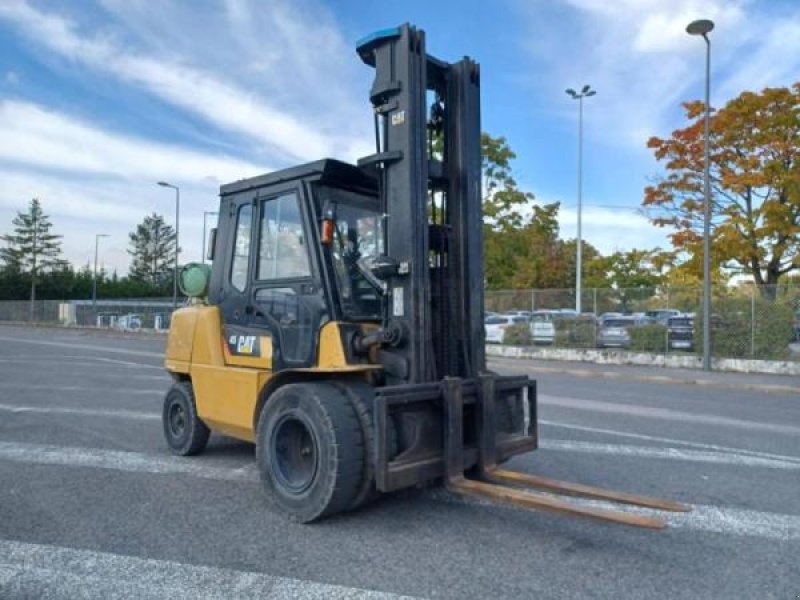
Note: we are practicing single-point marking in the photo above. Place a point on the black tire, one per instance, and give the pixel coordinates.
(184, 432)
(310, 451)
(362, 397)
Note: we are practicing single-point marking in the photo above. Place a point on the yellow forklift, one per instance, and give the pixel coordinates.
(340, 328)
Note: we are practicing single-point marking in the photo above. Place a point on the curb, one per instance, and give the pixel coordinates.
(643, 359)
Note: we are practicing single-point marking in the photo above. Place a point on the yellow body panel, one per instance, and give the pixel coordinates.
(226, 387)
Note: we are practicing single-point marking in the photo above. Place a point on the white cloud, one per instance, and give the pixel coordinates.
(32, 135)
(638, 56)
(94, 181)
(81, 207)
(213, 94)
(11, 77)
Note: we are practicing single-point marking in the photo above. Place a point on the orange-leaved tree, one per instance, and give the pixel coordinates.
(755, 184)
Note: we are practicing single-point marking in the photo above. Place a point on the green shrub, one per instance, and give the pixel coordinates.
(518, 334)
(578, 332)
(734, 335)
(648, 338)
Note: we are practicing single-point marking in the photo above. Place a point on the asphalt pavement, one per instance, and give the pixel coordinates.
(93, 505)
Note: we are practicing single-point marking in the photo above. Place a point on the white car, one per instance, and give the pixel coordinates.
(543, 330)
(496, 326)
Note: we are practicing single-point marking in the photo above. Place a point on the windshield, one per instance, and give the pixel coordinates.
(358, 233)
(617, 323)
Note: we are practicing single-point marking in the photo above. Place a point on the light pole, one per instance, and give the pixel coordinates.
(586, 91)
(205, 214)
(94, 273)
(177, 242)
(703, 27)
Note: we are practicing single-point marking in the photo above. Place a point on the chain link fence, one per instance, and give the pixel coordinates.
(129, 314)
(746, 321)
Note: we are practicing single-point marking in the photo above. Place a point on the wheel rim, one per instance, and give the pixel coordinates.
(294, 454)
(176, 419)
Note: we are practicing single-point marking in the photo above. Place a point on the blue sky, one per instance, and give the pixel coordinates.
(100, 99)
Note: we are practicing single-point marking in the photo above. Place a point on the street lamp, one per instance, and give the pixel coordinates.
(94, 273)
(585, 92)
(703, 27)
(177, 246)
(205, 214)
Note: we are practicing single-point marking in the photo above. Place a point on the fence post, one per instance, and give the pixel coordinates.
(753, 322)
(594, 301)
(533, 300)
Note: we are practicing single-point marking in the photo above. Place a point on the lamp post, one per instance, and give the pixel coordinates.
(703, 27)
(586, 91)
(94, 273)
(177, 245)
(205, 215)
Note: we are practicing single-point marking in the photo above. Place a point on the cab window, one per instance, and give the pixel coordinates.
(282, 248)
(241, 247)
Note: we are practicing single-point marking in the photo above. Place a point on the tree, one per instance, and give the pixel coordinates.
(633, 275)
(31, 249)
(153, 251)
(755, 181)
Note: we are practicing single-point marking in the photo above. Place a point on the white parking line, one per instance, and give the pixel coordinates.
(665, 440)
(80, 388)
(664, 413)
(704, 456)
(81, 412)
(704, 517)
(39, 571)
(133, 462)
(713, 519)
(104, 349)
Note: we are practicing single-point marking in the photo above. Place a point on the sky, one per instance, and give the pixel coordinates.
(100, 99)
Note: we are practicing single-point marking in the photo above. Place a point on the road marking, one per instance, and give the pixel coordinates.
(768, 388)
(664, 413)
(104, 349)
(704, 517)
(654, 438)
(707, 518)
(704, 456)
(118, 460)
(40, 570)
(82, 412)
(79, 388)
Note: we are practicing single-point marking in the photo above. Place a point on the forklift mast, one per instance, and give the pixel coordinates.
(428, 166)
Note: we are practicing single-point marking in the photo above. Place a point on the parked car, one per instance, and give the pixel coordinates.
(543, 329)
(614, 331)
(662, 315)
(608, 315)
(797, 326)
(129, 321)
(518, 313)
(680, 332)
(495, 327)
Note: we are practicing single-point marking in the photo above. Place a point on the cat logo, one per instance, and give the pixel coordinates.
(243, 344)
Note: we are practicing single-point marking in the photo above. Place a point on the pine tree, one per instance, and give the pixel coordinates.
(32, 249)
(153, 251)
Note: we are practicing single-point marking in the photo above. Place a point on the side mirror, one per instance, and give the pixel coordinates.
(212, 242)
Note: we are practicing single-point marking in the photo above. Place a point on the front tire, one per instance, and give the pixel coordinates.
(184, 432)
(310, 451)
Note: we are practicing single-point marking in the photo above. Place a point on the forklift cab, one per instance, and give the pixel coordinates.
(287, 258)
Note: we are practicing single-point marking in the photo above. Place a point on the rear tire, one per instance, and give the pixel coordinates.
(310, 451)
(184, 432)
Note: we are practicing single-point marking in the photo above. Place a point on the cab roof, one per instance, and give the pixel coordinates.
(328, 171)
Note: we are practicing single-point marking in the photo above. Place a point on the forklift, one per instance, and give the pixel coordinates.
(340, 328)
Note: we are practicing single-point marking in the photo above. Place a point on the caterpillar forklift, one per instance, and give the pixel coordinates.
(340, 328)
